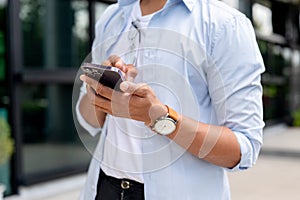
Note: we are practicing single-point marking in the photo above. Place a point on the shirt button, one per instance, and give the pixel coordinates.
(149, 54)
(93, 187)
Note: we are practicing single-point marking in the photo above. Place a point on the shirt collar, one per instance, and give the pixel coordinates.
(188, 3)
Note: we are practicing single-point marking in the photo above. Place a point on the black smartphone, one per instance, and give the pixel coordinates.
(109, 76)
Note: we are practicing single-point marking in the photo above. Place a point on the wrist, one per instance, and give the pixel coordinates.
(156, 111)
(166, 124)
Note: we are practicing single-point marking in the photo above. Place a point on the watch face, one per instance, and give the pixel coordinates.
(165, 126)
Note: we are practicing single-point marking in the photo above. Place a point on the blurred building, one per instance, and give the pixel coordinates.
(42, 44)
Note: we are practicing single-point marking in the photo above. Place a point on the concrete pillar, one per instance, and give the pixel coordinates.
(295, 82)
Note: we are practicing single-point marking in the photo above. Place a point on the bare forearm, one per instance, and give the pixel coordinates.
(90, 113)
(215, 144)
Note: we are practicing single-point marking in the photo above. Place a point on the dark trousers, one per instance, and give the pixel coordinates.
(110, 188)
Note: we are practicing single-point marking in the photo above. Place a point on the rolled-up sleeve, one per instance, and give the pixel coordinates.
(92, 130)
(235, 86)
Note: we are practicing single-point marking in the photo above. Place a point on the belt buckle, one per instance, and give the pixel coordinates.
(125, 184)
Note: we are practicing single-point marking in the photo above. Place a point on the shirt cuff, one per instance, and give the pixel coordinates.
(92, 130)
(247, 152)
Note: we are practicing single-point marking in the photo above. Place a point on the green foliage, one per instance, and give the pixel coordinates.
(6, 142)
(296, 117)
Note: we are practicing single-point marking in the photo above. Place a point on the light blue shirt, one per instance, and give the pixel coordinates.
(201, 58)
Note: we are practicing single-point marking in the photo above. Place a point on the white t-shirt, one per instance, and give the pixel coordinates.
(122, 152)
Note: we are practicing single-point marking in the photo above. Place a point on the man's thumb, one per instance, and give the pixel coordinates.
(132, 88)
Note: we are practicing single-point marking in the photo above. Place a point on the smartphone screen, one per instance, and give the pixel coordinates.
(109, 76)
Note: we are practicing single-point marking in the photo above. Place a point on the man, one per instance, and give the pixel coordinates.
(191, 109)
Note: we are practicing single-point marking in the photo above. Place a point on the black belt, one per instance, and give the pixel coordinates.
(124, 183)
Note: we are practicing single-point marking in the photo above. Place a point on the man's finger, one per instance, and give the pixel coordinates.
(98, 87)
(131, 72)
(102, 103)
(89, 81)
(116, 61)
(106, 63)
(113, 60)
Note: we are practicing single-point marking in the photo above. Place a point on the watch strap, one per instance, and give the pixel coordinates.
(172, 114)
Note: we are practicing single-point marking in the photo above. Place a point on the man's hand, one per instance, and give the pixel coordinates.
(129, 70)
(136, 101)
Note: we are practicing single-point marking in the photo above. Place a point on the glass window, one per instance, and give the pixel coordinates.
(275, 80)
(55, 33)
(3, 86)
(2, 38)
(51, 142)
(5, 170)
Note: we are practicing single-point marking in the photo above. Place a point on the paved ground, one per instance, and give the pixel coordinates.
(271, 179)
(276, 176)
